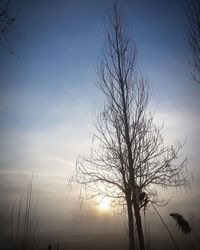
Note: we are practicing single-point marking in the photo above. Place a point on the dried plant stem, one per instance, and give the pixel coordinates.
(175, 244)
(195, 235)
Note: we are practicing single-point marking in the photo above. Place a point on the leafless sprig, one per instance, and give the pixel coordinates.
(193, 35)
(8, 27)
(23, 223)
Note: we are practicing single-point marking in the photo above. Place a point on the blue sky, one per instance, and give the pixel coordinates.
(47, 88)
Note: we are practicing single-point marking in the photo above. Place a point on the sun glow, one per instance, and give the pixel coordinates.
(104, 204)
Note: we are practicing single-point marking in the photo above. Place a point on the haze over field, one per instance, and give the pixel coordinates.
(48, 99)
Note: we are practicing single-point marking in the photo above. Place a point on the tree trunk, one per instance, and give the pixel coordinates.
(139, 225)
(131, 232)
(132, 178)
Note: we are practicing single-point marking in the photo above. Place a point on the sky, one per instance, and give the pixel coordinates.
(48, 99)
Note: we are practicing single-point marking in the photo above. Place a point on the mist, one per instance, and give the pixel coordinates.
(49, 102)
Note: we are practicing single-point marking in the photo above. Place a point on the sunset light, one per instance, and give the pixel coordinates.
(99, 125)
(104, 205)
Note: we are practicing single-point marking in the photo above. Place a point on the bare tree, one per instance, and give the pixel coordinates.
(193, 34)
(129, 160)
(8, 26)
(23, 224)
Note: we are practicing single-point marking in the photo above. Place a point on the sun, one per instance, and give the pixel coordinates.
(104, 204)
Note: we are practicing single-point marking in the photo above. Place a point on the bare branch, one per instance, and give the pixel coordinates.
(8, 27)
(193, 35)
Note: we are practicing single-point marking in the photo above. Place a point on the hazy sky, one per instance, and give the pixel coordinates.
(48, 94)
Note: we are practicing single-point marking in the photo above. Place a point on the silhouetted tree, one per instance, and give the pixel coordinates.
(8, 26)
(23, 224)
(193, 34)
(129, 159)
